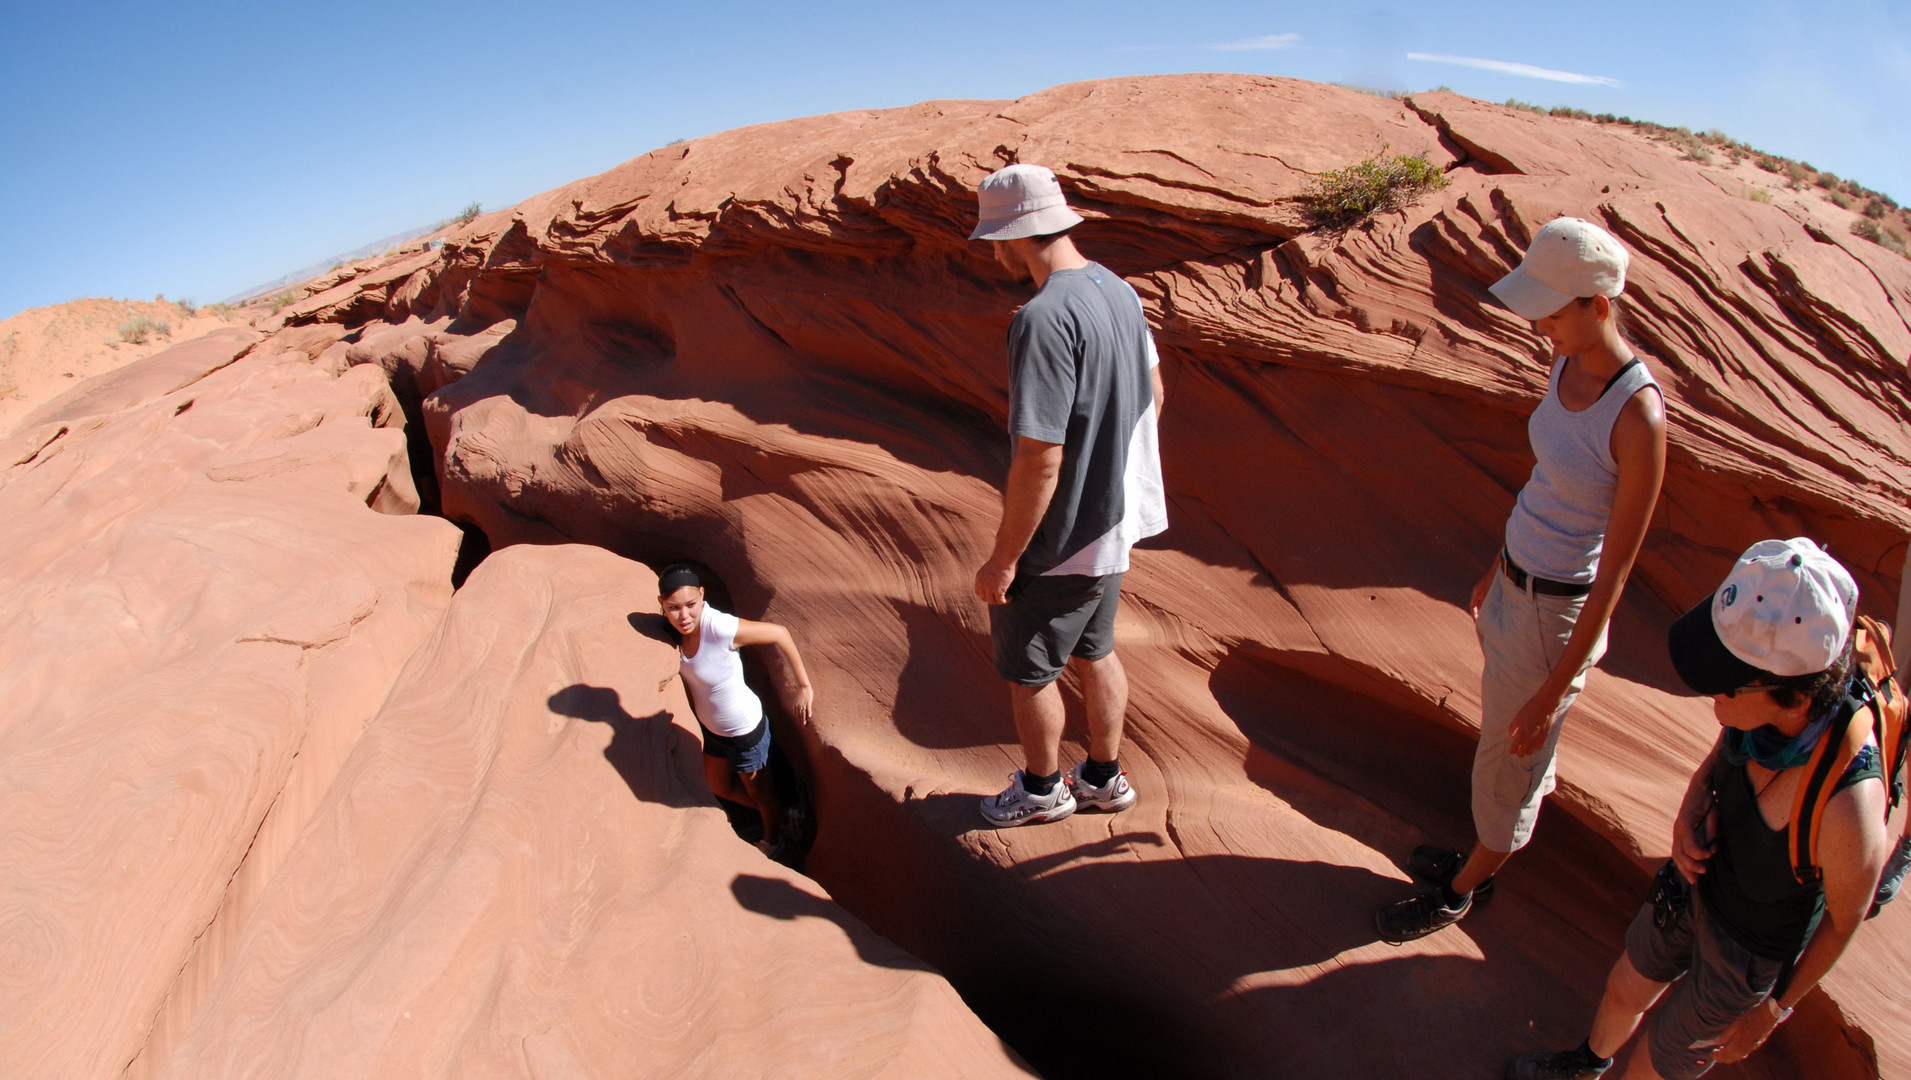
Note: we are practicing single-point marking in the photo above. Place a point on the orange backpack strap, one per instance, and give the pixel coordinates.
(1872, 646)
(1828, 762)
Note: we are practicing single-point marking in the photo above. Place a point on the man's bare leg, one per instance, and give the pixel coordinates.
(1038, 723)
(1105, 692)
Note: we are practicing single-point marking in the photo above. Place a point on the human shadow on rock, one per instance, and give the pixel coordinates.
(948, 695)
(779, 899)
(659, 761)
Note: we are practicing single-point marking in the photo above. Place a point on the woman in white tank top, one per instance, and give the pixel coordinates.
(736, 731)
(1541, 608)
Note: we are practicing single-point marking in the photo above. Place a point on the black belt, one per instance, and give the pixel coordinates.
(1543, 586)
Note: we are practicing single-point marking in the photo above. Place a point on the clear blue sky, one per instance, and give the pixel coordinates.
(202, 148)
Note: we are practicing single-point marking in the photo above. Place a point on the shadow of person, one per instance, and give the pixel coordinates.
(780, 899)
(653, 626)
(659, 761)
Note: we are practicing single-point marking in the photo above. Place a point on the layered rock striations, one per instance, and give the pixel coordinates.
(772, 350)
(277, 804)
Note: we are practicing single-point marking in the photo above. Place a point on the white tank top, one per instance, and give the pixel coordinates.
(714, 677)
(1558, 528)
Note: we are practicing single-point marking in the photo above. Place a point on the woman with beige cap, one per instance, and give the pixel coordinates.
(1541, 608)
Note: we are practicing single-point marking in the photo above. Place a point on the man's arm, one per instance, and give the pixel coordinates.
(1031, 484)
(1851, 849)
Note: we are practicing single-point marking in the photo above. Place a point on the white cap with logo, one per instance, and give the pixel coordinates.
(1019, 201)
(1786, 609)
(1569, 259)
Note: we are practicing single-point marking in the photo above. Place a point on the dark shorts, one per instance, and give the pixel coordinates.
(747, 752)
(1715, 980)
(1049, 619)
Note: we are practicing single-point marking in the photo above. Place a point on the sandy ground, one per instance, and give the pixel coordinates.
(44, 351)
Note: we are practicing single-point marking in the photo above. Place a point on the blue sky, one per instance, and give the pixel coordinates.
(203, 148)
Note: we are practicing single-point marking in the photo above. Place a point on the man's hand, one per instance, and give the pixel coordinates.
(1533, 722)
(1747, 1034)
(993, 580)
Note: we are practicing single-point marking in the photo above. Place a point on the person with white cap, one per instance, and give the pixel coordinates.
(1541, 609)
(1772, 647)
(1084, 485)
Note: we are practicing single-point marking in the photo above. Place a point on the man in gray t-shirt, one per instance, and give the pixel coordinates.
(1084, 486)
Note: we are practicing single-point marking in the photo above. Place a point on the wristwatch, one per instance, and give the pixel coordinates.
(1779, 1013)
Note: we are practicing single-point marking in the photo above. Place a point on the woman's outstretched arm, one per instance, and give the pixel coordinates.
(769, 633)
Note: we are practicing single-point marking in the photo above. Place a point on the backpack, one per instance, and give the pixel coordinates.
(1877, 692)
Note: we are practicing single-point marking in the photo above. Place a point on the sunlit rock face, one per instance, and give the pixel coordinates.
(773, 351)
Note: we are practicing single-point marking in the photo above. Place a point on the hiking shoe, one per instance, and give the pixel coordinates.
(1416, 917)
(1893, 877)
(1437, 865)
(1015, 806)
(1558, 1065)
(1113, 797)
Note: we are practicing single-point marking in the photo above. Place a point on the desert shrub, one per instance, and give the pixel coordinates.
(1769, 163)
(469, 214)
(1886, 235)
(1839, 199)
(1875, 208)
(280, 301)
(1515, 103)
(1569, 112)
(186, 307)
(1758, 194)
(140, 330)
(1797, 174)
(1345, 197)
(1826, 180)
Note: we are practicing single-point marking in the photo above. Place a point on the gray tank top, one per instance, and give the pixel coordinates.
(1558, 528)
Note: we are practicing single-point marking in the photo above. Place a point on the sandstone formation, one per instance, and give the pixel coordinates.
(216, 580)
(772, 350)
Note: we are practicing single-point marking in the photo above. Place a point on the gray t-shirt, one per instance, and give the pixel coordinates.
(1080, 357)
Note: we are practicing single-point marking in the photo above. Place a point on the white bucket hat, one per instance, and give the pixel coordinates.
(1786, 608)
(1019, 201)
(1569, 259)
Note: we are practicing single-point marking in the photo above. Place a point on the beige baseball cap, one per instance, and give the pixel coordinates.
(1019, 201)
(1568, 260)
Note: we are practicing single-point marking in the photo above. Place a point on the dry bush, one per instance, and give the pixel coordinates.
(1342, 198)
(138, 331)
(1758, 194)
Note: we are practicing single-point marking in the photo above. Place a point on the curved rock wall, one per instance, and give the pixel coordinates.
(772, 350)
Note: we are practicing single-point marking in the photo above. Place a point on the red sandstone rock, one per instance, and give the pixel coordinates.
(519, 869)
(773, 349)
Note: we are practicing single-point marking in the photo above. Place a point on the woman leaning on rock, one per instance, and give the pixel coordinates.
(1541, 609)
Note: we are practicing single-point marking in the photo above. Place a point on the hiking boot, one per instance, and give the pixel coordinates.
(1558, 1065)
(1015, 806)
(1437, 865)
(1113, 797)
(1893, 877)
(1415, 918)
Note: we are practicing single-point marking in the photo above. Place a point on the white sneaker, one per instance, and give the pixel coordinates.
(1015, 806)
(1113, 797)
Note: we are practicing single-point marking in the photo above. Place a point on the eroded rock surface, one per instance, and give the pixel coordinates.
(773, 349)
(215, 581)
(480, 894)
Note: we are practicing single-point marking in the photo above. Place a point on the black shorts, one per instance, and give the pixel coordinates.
(747, 752)
(1049, 619)
(1715, 980)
